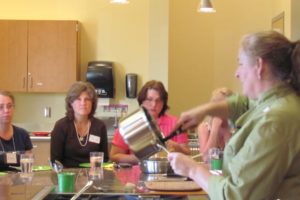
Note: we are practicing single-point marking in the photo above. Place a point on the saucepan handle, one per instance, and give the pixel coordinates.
(173, 134)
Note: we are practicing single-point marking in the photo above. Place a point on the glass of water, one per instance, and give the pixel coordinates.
(96, 162)
(26, 161)
(97, 177)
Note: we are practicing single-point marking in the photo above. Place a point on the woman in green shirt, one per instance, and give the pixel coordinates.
(262, 158)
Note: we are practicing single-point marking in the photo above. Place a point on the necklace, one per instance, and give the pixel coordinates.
(85, 136)
(3, 145)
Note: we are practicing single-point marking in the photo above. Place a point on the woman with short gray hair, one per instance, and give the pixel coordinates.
(262, 158)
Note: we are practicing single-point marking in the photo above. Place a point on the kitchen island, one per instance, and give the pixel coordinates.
(123, 183)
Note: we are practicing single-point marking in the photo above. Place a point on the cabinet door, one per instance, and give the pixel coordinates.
(52, 55)
(13, 55)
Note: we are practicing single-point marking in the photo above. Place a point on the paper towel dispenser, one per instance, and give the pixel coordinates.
(100, 74)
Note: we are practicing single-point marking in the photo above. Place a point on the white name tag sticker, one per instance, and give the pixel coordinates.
(11, 157)
(94, 139)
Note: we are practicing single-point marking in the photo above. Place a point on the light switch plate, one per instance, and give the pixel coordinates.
(47, 112)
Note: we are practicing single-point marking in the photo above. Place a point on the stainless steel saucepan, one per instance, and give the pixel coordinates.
(155, 166)
(141, 133)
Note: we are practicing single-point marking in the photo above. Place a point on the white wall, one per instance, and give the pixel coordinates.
(295, 16)
(159, 40)
(203, 47)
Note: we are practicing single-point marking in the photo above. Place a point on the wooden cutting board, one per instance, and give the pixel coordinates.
(172, 185)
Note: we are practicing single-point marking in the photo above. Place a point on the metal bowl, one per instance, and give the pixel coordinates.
(155, 166)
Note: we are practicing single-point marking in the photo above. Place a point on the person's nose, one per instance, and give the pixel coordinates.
(154, 102)
(151, 104)
(237, 74)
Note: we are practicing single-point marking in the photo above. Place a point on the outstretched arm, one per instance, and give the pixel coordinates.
(191, 118)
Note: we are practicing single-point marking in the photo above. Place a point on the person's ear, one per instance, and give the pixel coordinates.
(260, 68)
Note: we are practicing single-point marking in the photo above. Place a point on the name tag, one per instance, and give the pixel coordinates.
(94, 139)
(11, 158)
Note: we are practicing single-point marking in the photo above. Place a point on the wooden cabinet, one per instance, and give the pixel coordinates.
(38, 56)
(13, 55)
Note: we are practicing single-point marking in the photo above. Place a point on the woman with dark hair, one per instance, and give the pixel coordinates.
(153, 97)
(79, 132)
(262, 158)
(13, 140)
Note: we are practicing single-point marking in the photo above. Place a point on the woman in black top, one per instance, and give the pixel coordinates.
(13, 140)
(79, 132)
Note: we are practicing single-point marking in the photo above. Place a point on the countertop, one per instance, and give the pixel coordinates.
(40, 138)
(116, 183)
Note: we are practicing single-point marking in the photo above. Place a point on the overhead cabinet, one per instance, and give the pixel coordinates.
(38, 56)
(13, 55)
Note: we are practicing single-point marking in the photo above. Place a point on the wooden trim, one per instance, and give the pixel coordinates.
(278, 23)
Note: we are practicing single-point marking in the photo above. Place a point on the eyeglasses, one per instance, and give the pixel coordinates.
(156, 101)
(6, 106)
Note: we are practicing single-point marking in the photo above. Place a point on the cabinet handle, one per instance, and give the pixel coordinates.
(31, 82)
(24, 82)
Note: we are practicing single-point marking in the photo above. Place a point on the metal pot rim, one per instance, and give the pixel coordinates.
(157, 159)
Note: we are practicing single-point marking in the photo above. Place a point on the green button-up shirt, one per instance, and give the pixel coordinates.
(262, 159)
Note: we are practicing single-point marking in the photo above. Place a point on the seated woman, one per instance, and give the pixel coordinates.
(214, 132)
(13, 140)
(154, 98)
(79, 132)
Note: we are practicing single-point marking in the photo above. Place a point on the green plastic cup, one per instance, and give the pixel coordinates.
(66, 182)
(216, 164)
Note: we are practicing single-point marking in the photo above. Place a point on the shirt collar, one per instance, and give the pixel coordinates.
(274, 93)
